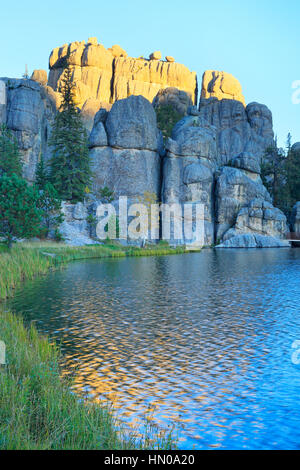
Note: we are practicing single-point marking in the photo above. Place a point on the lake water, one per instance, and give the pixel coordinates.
(202, 340)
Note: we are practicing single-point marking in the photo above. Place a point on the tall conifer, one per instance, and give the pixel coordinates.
(70, 168)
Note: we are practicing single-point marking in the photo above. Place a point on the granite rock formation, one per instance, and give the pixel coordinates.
(213, 157)
(178, 99)
(109, 75)
(221, 85)
(125, 149)
(28, 112)
(295, 225)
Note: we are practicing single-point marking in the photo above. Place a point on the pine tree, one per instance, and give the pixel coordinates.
(292, 169)
(273, 174)
(70, 168)
(10, 158)
(19, 215)
(41, 177)
(50, 205)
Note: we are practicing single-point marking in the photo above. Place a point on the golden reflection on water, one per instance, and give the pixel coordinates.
(197, 340)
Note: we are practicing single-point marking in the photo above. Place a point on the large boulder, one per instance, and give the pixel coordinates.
(259, 217)
(239, 130)
(194, 141)
(124, 149)
(127, 172)
(74, 228)
(131, 124)
(234, 190)
(253, 240)
(247, 161)
(178, 99)
(221, 85)
(40, 76)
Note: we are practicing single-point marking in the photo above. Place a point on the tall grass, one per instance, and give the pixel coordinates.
(26, 260)
(37, 408)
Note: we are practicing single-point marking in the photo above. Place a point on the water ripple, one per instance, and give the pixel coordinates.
(202, 340)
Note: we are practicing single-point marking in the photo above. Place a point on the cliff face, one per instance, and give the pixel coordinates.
(213, 156)
(28, 110)
(108, 75)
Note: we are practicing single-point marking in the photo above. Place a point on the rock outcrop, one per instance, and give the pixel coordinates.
(295, 219)
(213, 157)
(178, 99)
(74, 228)
(28, 113)
(108, 75)
(221, 85)
(254, 240)
(125, 149)
(239, 129)
(230, 141)
(3, 102)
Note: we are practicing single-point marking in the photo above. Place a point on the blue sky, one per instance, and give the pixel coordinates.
(256, 41)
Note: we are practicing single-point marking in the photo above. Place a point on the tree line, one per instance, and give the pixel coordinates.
(280, 171)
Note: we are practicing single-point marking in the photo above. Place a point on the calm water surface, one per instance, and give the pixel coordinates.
(203, 340)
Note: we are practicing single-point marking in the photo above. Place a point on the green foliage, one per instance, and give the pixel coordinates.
(106, 195)
(92, 222)
(20, 216)
(112, 228)
(41, 176)
(167, 117)
(50, 205)
(280, 173)
(70, 165)
(58, 237)
(10, 158)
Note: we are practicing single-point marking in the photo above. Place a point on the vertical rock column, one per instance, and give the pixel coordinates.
(2, 102)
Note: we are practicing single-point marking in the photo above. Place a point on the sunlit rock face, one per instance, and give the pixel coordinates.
(29, 114)
(221, 85)
(40, 76)
(108, 75)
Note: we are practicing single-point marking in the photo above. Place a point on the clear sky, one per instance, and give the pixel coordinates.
(258, 41)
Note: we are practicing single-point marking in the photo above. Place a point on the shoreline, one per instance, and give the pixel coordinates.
(34, 362)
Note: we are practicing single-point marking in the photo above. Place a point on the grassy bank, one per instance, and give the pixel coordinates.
(37, 408)
(27, 260)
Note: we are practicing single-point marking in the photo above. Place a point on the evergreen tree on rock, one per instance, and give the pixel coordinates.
(70, 165)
